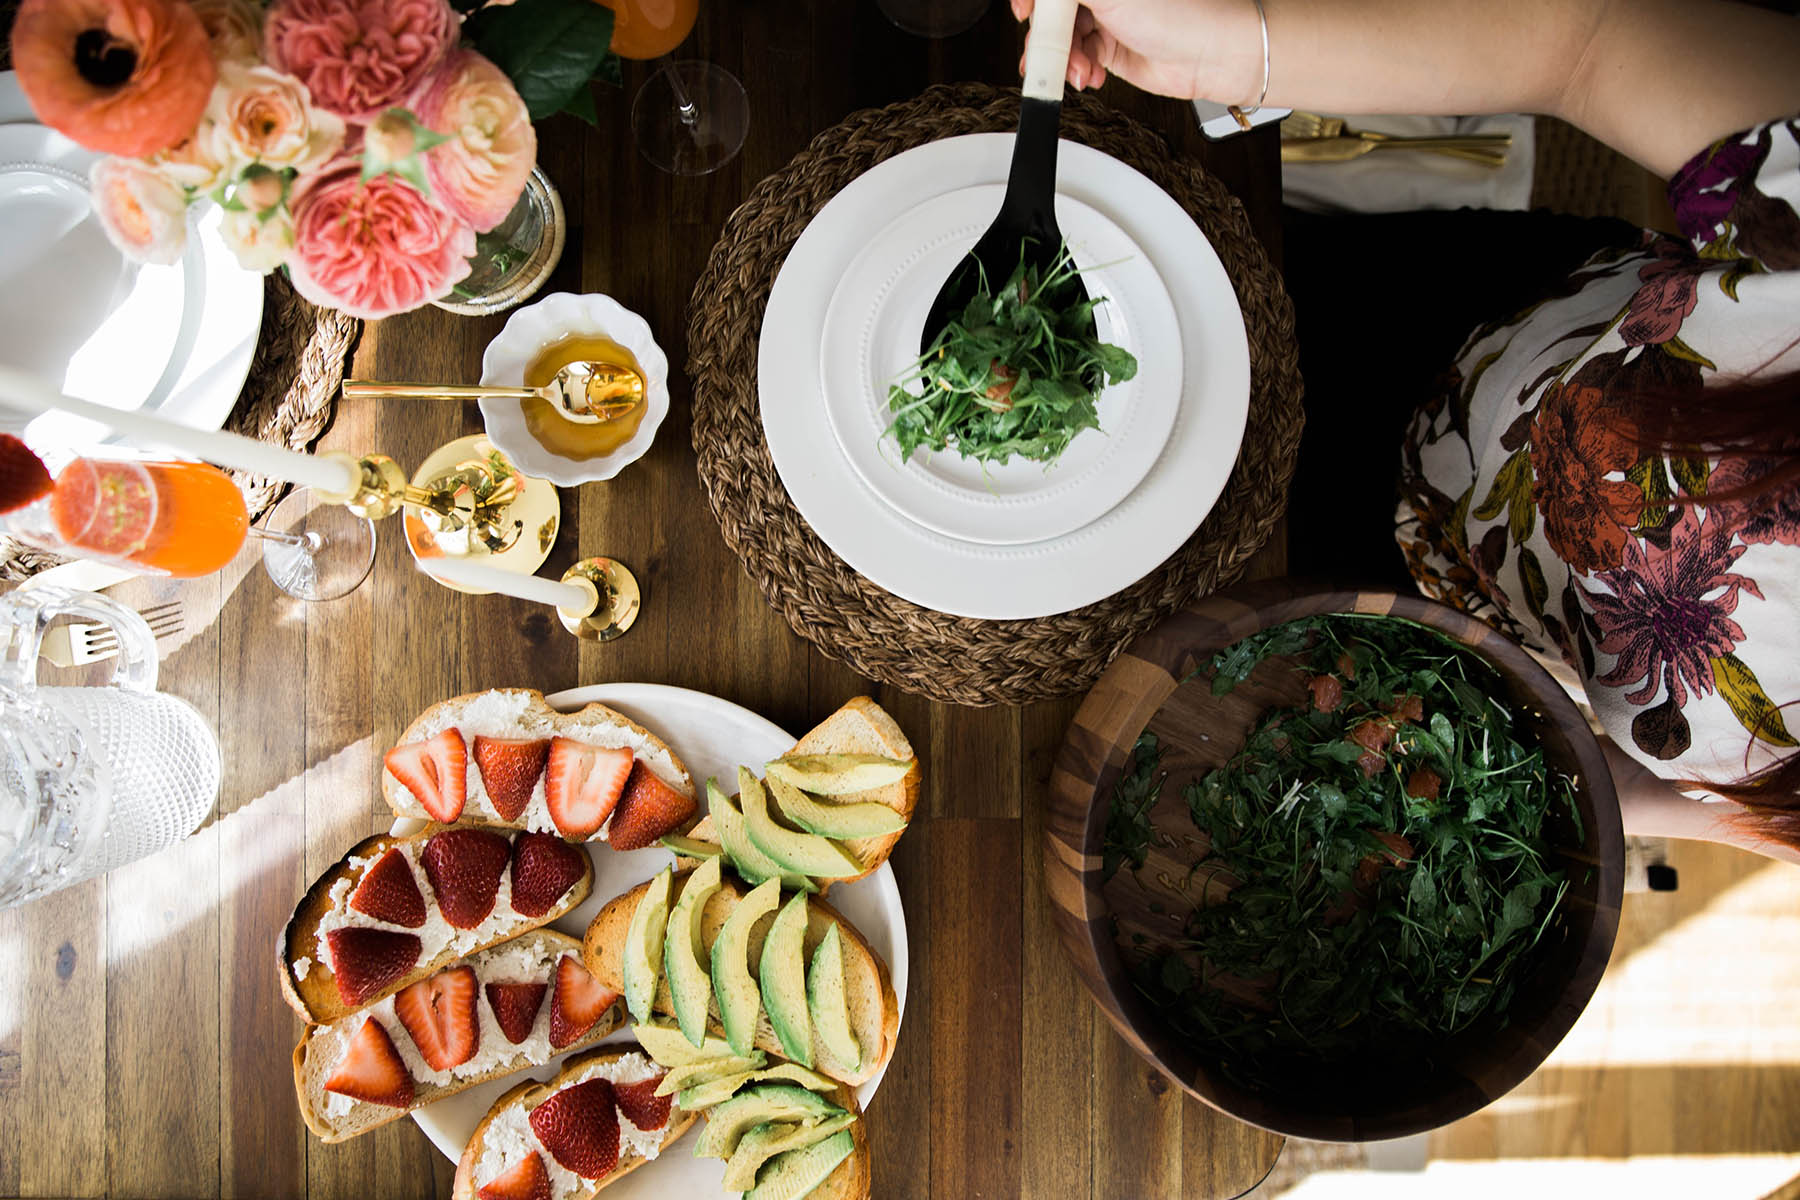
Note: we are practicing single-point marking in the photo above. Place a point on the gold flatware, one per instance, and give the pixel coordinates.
(79, 643)
(584, 392)
(1301, 126)
(1343, 149)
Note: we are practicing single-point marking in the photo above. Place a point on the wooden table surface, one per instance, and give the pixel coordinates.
(144, 1048)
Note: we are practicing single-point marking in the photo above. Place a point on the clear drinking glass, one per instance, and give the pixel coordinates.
(690, 118)
(934, 18)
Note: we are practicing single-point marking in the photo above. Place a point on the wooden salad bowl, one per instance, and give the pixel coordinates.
(1199, 731)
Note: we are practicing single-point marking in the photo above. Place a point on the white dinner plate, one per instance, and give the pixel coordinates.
(712, 737)
(1032, 579)
(871, 339)
(177, 339)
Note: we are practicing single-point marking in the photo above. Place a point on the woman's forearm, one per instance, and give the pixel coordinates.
(1649, 806)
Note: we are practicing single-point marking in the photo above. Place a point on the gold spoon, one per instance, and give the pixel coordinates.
(583, 392)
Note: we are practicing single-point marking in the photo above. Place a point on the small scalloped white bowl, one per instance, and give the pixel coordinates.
(527, 333)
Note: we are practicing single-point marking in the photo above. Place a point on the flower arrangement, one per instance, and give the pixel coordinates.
(361, 145)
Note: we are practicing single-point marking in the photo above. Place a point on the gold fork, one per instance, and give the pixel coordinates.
(1310, 137)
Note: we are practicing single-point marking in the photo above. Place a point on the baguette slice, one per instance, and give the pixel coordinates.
(519, 1101)
(861, 726)
(308, 984)
(868, 988)
(317, 1055)
(523, 713)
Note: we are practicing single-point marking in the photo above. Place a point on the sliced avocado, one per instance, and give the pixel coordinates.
(793, 1174)
(729, 1121)
(839, 774)
(812, 1081)
(713, 1091)
(687, 847)
(643, 947)
(767, 1140)
(690, 1074)
(682, 950)
(670, 1047)
(826, 1003)
(807, 853)
(833, 820)
(783, 975)
(733, 984)
(751, 863)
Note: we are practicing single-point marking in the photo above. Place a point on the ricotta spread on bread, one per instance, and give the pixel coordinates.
(520, 714)
(437, 936)
(509, 1137)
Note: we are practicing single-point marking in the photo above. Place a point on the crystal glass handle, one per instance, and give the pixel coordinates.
(28, 614)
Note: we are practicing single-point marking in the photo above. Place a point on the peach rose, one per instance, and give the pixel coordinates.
(143, 211)
(124, 77)
(192, 163)
(373, 249)
(259, 115)
(260, 243)
(359, 57)
(480, 171)
(234, 27)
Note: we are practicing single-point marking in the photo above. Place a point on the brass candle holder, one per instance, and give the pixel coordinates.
(617, 600)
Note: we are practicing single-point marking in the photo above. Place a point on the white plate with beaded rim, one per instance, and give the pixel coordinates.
(712, 737)
(175, 339)
(871, 339)
(1033, 579)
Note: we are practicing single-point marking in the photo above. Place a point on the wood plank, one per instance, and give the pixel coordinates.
(982, 743)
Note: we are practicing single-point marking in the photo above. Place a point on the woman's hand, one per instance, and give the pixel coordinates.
(1650, 806)
(1189, 49)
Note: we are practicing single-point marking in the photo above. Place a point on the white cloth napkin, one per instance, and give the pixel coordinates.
(1410, 180)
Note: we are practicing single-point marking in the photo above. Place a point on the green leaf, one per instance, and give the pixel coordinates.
(1676, 348)
(549, 48)
(1652, 478)
(1537, 591)
(1740, 270)
(581, 105)
(1691, 474)
(1511, 490)
(1749, 703)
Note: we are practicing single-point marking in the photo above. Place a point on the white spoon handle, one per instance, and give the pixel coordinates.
(1047, 48)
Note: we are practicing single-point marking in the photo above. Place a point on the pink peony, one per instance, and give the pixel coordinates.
(479, 173)
(143, 211)
(259, 115)
(358, 57)
(373, 249)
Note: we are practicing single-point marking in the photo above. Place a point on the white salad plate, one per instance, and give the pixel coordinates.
(872, 331)
(1031, 579)
(176, 339)
(712, 737)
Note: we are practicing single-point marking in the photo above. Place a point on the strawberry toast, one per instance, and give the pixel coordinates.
(507, 1008)
(505, 757)
(396, 910)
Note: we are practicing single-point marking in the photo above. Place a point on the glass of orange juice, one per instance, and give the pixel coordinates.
(690, 117)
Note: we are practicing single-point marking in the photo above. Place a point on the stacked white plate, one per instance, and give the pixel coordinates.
(74, 311)
(1017, 540)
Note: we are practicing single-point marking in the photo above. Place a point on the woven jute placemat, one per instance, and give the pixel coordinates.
(959, 659)
(287, 397)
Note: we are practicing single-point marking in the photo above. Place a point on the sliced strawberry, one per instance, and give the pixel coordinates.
(577, 1002)
(464, 866)
(544, 868)
(436, 772)
(579, 1126)
(509, 771)
(439, 1014)
(366, 960)
(582, 783)
(372, 1070)
(648, 809)
(23, 477)
(389, 893)
(641, 1105)
(526, 1181)
(515, 1007)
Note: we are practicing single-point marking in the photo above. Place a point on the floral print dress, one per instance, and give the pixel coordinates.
(1523, 504)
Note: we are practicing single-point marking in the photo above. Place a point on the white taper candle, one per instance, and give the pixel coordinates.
(19, 390)
(578, 600)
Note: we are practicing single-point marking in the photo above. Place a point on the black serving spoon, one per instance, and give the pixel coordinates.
(1027, 222)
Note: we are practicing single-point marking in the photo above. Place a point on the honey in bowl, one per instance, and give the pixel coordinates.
(556, 433)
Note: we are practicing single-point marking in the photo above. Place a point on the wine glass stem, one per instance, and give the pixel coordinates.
(308, 541)
(685, 108)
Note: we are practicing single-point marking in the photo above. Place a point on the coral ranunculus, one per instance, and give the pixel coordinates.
(142, 210)
(259, 115)
(373, 249)
(479, 173)
(121, 76)
(359, 57)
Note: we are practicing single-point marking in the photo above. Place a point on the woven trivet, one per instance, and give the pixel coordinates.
(959, 659)
(287, 398)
